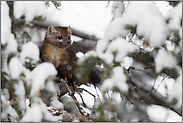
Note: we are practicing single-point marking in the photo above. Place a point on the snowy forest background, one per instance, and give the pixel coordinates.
(136, 45)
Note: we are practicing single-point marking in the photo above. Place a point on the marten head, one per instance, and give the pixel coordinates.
(59, 36)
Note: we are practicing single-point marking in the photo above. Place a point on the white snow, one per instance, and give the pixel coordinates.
(118, 80)
(20, 92)
(164, 59)
(37, 111)
(121, 46)
(141, 14)
(76, 120)
(5, 30)
(127, 62)
(8, 109)
(11, 44)
(88, 99)
(29, 50)
(34, 114)
(163, 7)
(57, 104)
(6, 35)
(118, 45)
(175, 17)
(30, 9)
(79, 54)
(40, 74)
(85, 13)
(27, 103)
(150, 22)
(6, 93)
(118, 8)
(69, 11)
(176, 91)
(91, 18)
(16, 68)
(116, 28)
(161, 114)
(50, 86)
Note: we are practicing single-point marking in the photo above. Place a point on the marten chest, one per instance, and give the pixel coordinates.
(56, 56)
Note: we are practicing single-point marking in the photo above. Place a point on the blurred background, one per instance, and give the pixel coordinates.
(153, 94)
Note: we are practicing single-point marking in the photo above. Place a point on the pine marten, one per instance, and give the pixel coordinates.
(57, 49)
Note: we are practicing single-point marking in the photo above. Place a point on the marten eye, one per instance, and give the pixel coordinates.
(69, 38)
(59, 37)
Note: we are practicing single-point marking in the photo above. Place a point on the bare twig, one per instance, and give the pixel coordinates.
(96, 91)
(82, 89)
(81, 110)
(55, 5)
(70, 92)
(48, 103)
(133, 68)
(84, 104)
(152, 98)
(153, 84)
(129, 100)
(160, 83)
(107, 4)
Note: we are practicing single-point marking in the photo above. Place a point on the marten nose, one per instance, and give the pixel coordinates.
(68, 42)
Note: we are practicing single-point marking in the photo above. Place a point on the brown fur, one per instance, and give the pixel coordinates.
(57, 50)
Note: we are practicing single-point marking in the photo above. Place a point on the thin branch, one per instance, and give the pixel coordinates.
(160, 83)
(82, 89)
(107, 4)
(48, 103)
(153, 84)
(71, 93)
(129, 100)
(133, 68)
(152, 98)
(84, 104)
(56, 5)
(81, 110)
(96, 91)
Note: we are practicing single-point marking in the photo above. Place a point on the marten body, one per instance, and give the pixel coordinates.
(57, 49)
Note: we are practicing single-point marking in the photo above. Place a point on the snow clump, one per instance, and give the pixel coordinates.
(149, 21)
(29, 50)
(40, 74)
(27, 8)
(118, 80)
(164, 59)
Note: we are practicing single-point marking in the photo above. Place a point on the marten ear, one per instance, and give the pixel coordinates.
(69, 29)
(50, 30)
